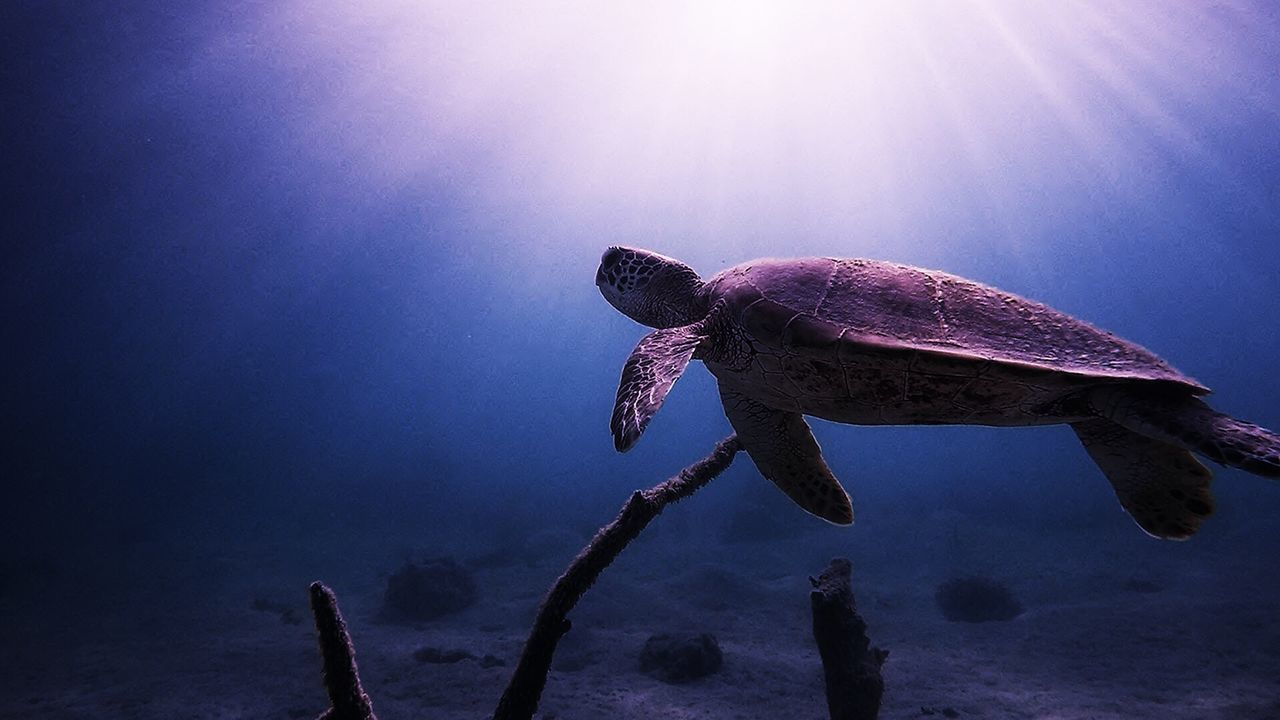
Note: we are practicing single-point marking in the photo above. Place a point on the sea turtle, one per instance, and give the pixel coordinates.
(876, 343)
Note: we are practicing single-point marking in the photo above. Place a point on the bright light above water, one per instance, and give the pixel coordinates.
(881, 119)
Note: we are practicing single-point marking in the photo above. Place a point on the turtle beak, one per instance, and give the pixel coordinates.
(610, 258)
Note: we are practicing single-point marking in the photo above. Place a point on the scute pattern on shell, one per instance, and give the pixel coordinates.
(815, 306)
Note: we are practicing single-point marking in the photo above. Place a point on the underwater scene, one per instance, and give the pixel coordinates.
(743, 359)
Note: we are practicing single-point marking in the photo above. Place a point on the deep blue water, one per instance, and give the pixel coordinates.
(322, 278)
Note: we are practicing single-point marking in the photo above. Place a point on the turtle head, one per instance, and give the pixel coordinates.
(651, 289)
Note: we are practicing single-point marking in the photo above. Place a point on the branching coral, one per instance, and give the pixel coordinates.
(521, 697)
(852, 665)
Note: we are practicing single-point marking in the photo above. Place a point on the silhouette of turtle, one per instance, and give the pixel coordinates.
(875, 343)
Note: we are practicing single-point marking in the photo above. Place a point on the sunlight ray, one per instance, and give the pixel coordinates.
(744, 121)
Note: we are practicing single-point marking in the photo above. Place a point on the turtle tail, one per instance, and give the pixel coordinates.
(1186, 421)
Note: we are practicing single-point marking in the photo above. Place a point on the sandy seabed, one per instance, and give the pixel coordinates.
(1117, 625)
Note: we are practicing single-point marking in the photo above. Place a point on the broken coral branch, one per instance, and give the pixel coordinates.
(530, 677)
(341, 678)
(850, 664)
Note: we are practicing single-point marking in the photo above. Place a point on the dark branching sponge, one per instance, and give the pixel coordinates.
(347, 698)
(850, 663)
(976, 599)
(520, 700)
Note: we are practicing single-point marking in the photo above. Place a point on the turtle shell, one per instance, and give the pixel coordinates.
(831, 306)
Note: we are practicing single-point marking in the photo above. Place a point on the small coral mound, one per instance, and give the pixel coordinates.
(428, 590)
(1139, 585)
(288, 615)
(680, 658)
(975, 600)
(438, 656)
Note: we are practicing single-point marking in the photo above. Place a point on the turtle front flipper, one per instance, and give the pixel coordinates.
(654, 366)
(1162, 486)
(785, 451)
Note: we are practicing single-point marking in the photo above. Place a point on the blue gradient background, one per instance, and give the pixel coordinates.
(291, 270)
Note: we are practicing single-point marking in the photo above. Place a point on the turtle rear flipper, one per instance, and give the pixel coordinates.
(1187, 422)
(1163, 487)
(784, 450)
